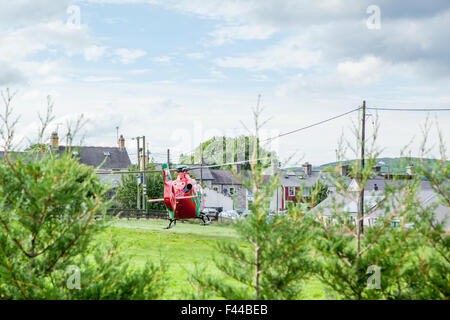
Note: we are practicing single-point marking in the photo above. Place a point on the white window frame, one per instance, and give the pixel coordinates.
(291, 194)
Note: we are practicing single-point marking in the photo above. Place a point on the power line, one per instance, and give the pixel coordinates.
(312, 125)
(178, 157)
(189, 168)
(409, 109)
(228, 164)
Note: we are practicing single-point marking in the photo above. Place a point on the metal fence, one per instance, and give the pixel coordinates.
(142, 214)
(137, 214)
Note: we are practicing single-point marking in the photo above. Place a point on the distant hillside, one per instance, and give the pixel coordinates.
(387, 164)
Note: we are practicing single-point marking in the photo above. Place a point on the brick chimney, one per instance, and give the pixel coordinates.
(54, 140)
(307, 168)
(121, 143)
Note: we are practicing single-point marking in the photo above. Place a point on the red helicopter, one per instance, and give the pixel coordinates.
(182, 197)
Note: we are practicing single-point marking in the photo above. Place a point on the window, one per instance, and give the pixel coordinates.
(106, 153)
(291, 191)
(216, 189)
(231, 190)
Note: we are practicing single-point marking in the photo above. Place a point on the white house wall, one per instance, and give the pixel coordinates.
(214, 199)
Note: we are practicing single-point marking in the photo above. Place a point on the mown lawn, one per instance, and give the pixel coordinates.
(182, 247)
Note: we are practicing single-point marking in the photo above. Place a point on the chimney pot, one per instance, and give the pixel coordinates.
(121, 143)
(307, 168)
(54, 140)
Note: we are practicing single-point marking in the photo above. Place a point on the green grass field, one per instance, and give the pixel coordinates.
(183, 246)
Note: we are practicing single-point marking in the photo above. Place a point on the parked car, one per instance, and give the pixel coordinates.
(229, 214)
(209, 211)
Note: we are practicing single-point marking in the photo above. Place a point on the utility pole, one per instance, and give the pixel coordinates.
(168, 158)
(201, 164)
(144, 181)
(363, 142)
(278, 187)
(138, 202)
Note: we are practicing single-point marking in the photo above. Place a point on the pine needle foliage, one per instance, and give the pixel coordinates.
(51, 210)
(52, 219)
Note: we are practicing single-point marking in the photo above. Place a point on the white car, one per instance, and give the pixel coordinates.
(209, 211)
(229, 214)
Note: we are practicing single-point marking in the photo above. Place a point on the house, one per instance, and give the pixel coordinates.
(427, 197)
(225, 183)
(294, 181)
(106, 158)
(223, 187)
(373, 200)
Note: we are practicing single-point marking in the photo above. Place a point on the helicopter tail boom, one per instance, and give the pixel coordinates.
(177, 198)
(187, 197)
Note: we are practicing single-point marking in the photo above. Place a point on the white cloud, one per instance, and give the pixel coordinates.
(44, 72)
(18, 46)
(313, 85)
(94, 53)
(127, 56)
(10, 75)
(20, 43)
(138, 71)
(364, 71)
(287, 54)
(22, 13)
(218, 74)
(196, 55)
(100, 79)
(229, 33)
(162, 59)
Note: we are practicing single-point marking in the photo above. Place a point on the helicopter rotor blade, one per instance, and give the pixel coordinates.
(130, 172)
(226, 164)
(187, 168)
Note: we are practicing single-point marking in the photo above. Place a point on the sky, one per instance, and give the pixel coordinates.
(181, 72)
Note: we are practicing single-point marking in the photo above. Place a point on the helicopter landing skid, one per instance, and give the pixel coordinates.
(174, 221)
(205, 217)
